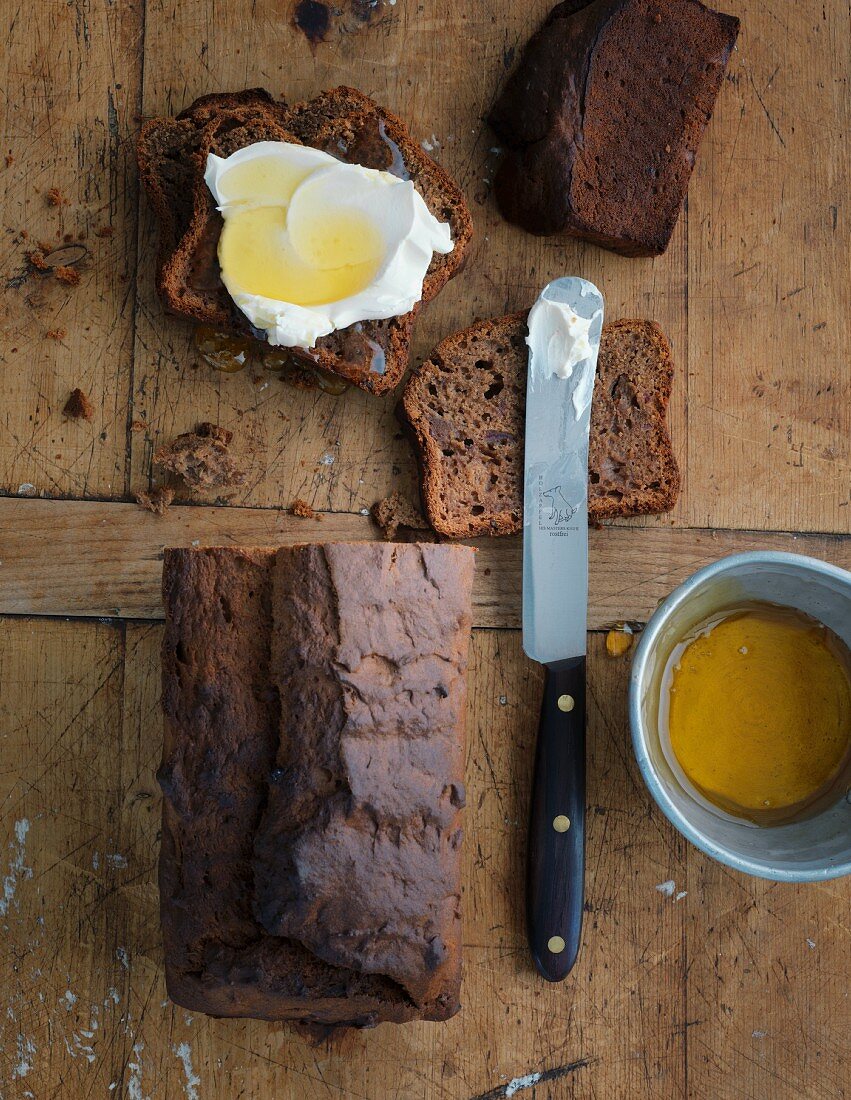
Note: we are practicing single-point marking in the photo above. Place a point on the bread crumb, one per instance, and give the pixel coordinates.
(394, 512)
(302, 509)
(200, 458)
(78, 406)
(138, 426)
(55, 197)
(36, 258)
(105, 231)
(10, 160)
(156, 500)
(67, 275)
(56, 333)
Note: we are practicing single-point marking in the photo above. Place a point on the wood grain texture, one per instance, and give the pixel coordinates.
(737, 989)
(103, 559)
(760, 1013)
(71, 80)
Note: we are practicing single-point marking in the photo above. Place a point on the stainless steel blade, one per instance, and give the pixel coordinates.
(555, 500)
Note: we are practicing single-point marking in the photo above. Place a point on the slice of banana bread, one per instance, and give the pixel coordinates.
(465, 409)
(313, 780)
(604, 115)
(344, 122)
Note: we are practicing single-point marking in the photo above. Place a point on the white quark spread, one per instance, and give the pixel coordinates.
(311, 244)
(559, 340)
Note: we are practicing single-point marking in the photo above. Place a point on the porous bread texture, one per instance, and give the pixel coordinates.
(604, 116)
(312, 772)
(344, 122)
(465, 409)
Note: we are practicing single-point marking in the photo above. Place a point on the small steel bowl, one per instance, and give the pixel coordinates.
(810, 850)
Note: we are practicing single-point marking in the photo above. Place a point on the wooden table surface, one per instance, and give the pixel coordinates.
(730, 987)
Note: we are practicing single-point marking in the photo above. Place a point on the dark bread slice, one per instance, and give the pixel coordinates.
(465, 409)
(312, 774)
(167, 151)
(604, 116)
(344, 122)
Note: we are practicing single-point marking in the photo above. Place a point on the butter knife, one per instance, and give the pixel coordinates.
(564, 340)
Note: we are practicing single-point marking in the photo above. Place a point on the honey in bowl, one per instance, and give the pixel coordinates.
(756, 713)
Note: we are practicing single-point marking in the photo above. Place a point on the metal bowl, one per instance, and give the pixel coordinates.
(809, 850)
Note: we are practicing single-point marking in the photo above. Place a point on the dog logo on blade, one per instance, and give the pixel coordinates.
(561, 510)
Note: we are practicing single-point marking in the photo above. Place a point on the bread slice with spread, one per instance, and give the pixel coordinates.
(465, 410)
(172, 154)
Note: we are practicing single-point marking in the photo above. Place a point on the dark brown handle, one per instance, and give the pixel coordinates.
(555, 878)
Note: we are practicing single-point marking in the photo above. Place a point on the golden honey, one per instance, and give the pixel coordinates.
(758, 712)
(231, 354)
(330, 255)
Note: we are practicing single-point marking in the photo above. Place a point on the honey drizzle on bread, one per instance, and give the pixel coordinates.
(343, 122)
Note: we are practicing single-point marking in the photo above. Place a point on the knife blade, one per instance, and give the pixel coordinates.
(564, 340)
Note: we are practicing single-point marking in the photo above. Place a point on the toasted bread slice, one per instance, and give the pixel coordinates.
(465, 408)
(172, 154)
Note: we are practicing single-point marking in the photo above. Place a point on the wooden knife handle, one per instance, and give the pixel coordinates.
(555, 872)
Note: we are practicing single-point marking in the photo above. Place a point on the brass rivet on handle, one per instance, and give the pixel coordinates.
(555, 944)
(566, 703)
(561, 823)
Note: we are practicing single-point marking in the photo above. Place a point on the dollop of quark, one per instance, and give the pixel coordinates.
(559, 340)
(345, 243)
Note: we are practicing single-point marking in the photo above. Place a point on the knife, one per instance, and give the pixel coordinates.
(564, 341)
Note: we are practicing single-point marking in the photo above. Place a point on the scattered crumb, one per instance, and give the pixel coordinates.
(105, 231)
(10, 160)
(24, 235)
(394, 512)
(302, 508)
(55, 197)
(36, 258)
(56, 333)
(201, 459)
(67, 275)
(78, 406)
(156, 500)
(138, 426)
(618, 641)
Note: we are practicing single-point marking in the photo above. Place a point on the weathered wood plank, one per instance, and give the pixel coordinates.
(71, 76)
(769, 300)
(84, 1006)
(758, 974)
(102, 559)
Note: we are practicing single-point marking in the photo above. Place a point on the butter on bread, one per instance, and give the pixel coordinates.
(604, 115)
(465, 409)
(172, 153)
